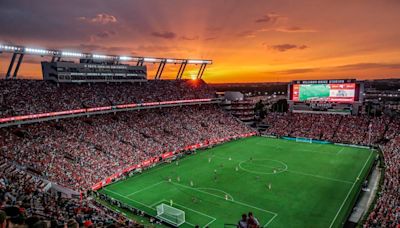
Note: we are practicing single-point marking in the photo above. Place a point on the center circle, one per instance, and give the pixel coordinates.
(263, 166)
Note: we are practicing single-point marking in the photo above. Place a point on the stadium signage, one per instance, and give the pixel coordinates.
(97, 109)
(334, 81)
(164, 156)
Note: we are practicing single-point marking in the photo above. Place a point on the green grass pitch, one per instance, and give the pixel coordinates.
(312, 185)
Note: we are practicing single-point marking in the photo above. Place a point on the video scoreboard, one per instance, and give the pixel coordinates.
(329, 91)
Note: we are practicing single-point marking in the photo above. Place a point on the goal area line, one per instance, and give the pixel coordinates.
(211, 218)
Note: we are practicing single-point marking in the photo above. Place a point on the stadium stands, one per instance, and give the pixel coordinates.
(77, 153)
(24, 97)
(24, 198)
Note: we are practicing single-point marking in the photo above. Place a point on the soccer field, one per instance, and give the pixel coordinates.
(284, 183)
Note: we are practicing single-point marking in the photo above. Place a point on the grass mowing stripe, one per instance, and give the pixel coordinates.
(321, 177)
(132, 200)
(351, 189)
(141, 190)
(235, 201)
(285, 170)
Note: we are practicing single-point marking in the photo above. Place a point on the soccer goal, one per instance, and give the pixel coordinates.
(305, 140)
(170, 215)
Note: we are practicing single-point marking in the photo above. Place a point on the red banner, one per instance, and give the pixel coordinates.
(153, 160)
(96, 109)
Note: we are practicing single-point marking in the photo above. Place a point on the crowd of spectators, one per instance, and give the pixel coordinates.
(24, 97)
(386, 212)
(26, 202)
(380, 131)
(330, 127)
(77, 153)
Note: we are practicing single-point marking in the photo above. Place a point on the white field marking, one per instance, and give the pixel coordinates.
(139, 203)
(351, 189)
(158, 202)
(237, 202)
(215, 189)
(267, 173)
(172, 223)
(148, 187)
(289, 171)
(321, 177)
(340, 151)
(314, 151)
(129, 199)
(151, 170)
(266, 224)
(198, 212)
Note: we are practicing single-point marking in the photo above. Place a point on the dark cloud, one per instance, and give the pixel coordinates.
(164, 35)
(100, 48)
(154, 48)
(269, 18)
(295, 29)
(210, 38)
(297, 71)
(102, 35)
(369, 66)
(286, 47)
(101, 18)
(247, 34)
(189, 37)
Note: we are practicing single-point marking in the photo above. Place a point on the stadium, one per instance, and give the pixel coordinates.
(99, 141)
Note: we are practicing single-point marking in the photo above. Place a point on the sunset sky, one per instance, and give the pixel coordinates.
(248, 40)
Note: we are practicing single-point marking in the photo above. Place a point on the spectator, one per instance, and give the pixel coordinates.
(243, 222)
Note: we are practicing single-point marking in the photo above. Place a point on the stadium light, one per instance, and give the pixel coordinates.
(171, 60)
(9, 48)
(151, 60)
(193, 61)
(72, 54)
(95, 56)
(37, 51)
(125, 58)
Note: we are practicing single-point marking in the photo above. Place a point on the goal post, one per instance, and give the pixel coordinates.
(171, 215)
(305, 140)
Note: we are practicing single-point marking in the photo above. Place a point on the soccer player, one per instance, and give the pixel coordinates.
(171, 202)
(209, 160)
(177, 162)
(178, 179)
(269, 186)
(237, 169)
(191, 183)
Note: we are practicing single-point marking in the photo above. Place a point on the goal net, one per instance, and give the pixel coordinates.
(170, 215)
(305, 140)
